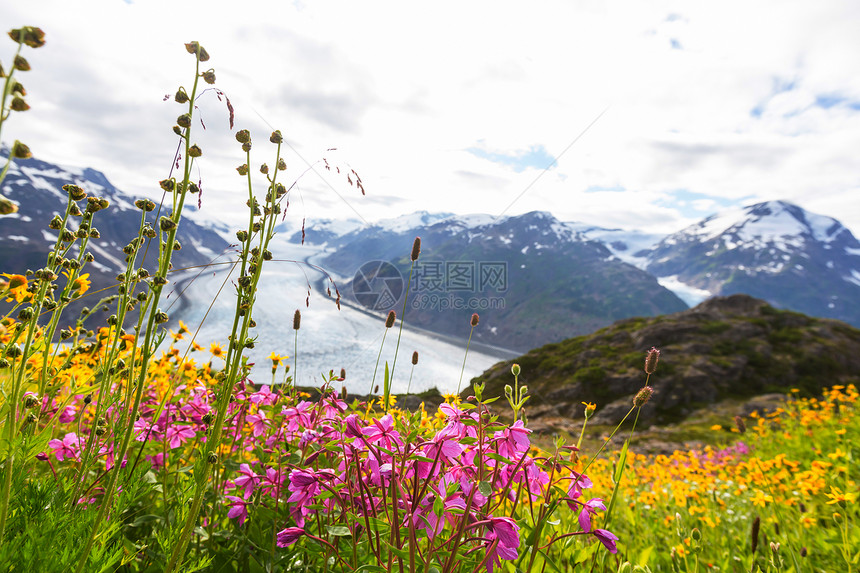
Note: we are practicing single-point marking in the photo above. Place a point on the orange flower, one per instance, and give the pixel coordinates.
(17, 288)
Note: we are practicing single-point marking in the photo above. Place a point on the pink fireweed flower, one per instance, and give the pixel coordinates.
(67, 415)
(589, 508)
(502, 541)
(298, 417)
(513, 440)
(382, 430)
(264, 396)
(290, 535)
(157, 460)
(304, 485)
(238, 508)
(248, 480)
(146, 431)
(578, 482)
(178, 435)
(607, 538)
(258, 423)
(426, 513)
(273, 482)
(69, 447)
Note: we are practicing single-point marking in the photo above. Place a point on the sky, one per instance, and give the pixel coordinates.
(630, 114)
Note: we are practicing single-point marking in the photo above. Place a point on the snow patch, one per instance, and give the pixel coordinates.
(689, 294)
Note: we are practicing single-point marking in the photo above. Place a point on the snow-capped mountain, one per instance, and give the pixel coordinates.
(775, 251)
(36, 187)
(532, 278)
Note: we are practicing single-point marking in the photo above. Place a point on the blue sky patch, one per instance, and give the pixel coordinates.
(535, 156)
(780, 85)
(698, 205)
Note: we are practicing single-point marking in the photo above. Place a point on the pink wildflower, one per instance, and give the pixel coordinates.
(69, 447)
(178, 435)
(247, 480)
(607, 538)
(239, 508)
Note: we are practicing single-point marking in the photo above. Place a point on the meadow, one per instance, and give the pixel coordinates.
(121, 452)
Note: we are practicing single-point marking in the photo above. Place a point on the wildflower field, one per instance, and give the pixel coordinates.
(121, 452)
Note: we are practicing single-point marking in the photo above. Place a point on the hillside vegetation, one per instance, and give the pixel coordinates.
(727, 347)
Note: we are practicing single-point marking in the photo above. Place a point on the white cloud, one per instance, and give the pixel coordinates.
(404, 90)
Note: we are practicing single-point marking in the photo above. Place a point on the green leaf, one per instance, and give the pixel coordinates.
(485, 488)
(645, 555)
(338, 530)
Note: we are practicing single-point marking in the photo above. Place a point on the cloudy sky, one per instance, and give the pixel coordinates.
(635, 114)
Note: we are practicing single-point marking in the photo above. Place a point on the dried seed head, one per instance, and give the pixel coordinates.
(243, 169)
(282, 165)
(297, 320)
(416, 249)
(756, 524)
(414, 358)
(343, 377)
(243, 136)
(198, 50)
(194, 151)
(389, 320)
(209, 76)
(474, 321)
(651, 360)
(276, 137)
(740, 425)
(184, 120)
(643, 396)
(181, 96)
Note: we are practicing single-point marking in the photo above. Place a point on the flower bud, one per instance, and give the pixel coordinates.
(21, 151)
(209, 76)
(29, 36)
(198, 50)
(194, 151)
(7, 207)
(212, 458)
(184, 120)
(243, 169)
(161, 317)
(166, 224)
(243, 136)
(18, 104)
(282, 165)
(75, 192)
(515, 369)
(276, 137)
(264, 169)
(21, 64)
(181, 96)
